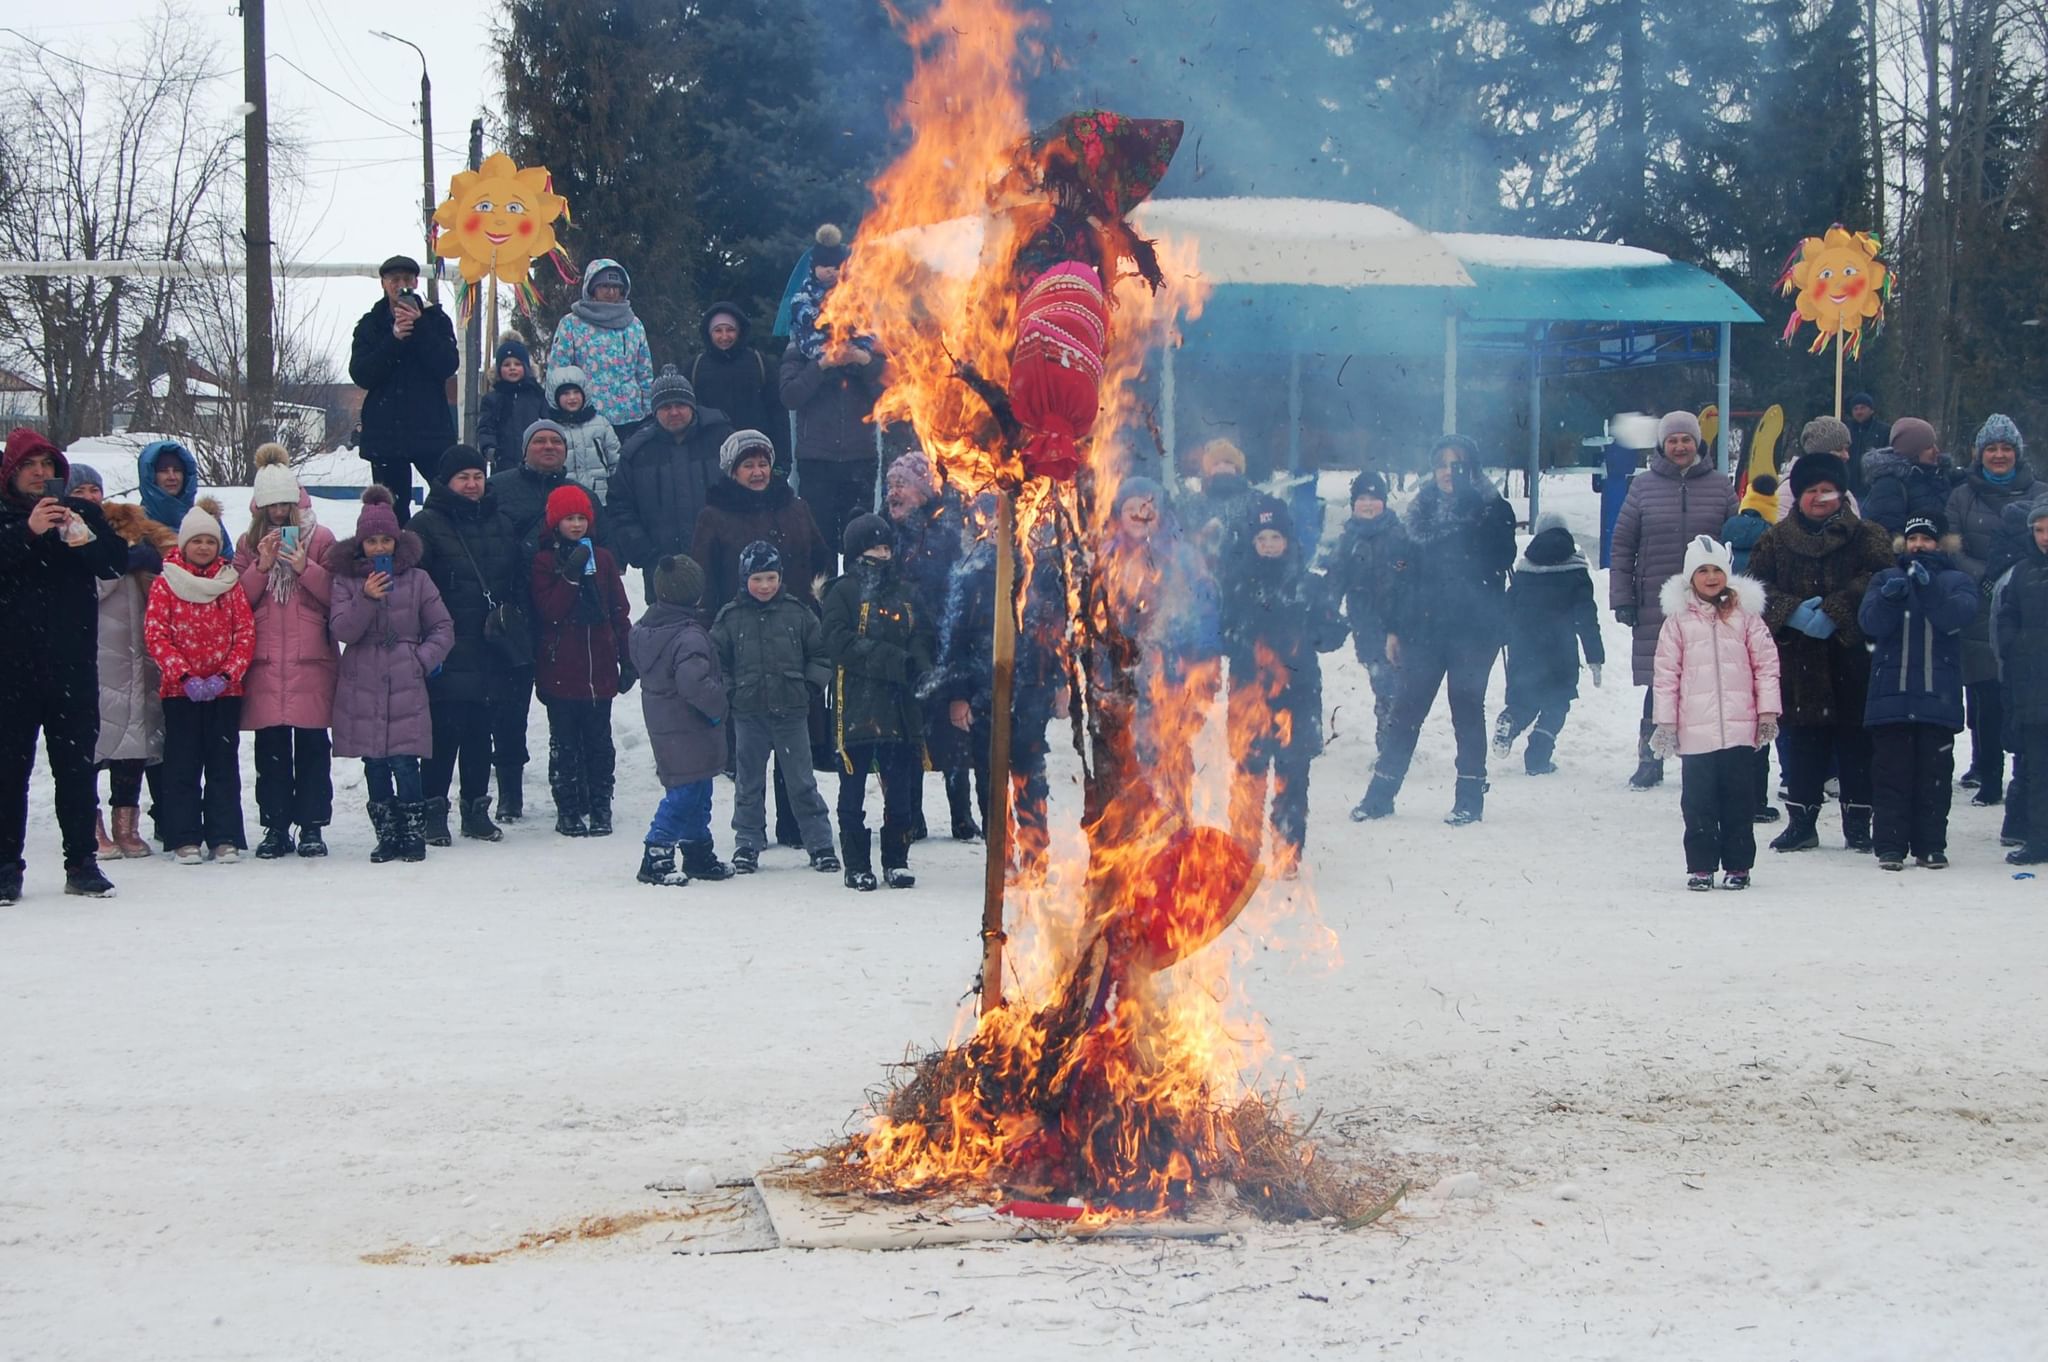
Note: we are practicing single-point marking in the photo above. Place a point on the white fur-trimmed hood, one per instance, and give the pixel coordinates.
(1749, 594)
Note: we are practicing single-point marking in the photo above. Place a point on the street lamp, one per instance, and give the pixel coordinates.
(426, 162)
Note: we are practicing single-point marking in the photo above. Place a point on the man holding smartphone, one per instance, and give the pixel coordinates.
(402, 356)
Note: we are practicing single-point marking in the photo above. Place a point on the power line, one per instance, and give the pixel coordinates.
(367, 113)
(117, 75)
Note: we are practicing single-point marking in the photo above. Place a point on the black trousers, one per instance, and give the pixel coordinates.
(294, 777)
(1809, 751)
(124, 782)
(199, 792)
(1463, 669)
(462, 737)
(900, 765)
(1987, 732)
(396, 473)
(511, 702)
(2034, 759)
(836, 492)
(1717, 795)
(70, 728)
(1288, 765)
(581, 760)
(1912, 769)
(1763, 778)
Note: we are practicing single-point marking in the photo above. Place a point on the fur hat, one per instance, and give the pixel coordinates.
(378, 515)
(1219, 456)
(1139, 488)
(760, 556)
(83, 475)
(1270, 513)
(458, 459)
(1371, 483)
(1932, 524)
(275, 485)
(829, 246)
(1912, 436)
(1814, 469)
(1998, 429)
(1678, 423)
(512, 348)
(678, 580)
(1707, 551)
(202, 519)
(671, 387)
(914, 470)
(1824, 435)
(864, 532)
(738, 444)
(568, 500)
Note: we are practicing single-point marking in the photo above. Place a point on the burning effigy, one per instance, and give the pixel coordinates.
(1105, 1076)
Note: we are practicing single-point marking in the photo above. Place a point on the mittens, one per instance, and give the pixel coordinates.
(201, 689)
(576, 561)
(1896, 588)
(1664, 741)
(1810, 620)
(1766, 730)
(628, 678)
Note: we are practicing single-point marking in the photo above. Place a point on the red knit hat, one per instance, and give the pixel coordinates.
(568, 500)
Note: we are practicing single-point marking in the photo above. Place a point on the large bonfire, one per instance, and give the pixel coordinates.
(1109, 1066)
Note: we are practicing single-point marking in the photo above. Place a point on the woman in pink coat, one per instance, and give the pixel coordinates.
(288, 696)
(1715, 701)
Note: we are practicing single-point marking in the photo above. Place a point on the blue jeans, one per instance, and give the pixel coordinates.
(684, 815)
(381, 774)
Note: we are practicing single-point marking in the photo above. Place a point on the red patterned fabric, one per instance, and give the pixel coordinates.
(1057, 365)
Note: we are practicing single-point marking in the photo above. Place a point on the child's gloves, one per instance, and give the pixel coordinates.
(579, 560)
(1809, 619)
(1664, 741)
(628, 677)
(1917, 570)
(1896, 588)
(1766, 730)
(1594, 667)
(201, 689)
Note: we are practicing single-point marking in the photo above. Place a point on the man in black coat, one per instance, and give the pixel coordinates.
(731, 376)
(478, 697)
(664, 473)
(402, 357)
(1448, 625)
(53, 552)
(522, 492)
(1866, 433)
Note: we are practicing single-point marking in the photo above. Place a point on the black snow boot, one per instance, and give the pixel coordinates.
(412, 831)
(437, 833)
(1649, 766)
(658, 866)
(1378, 801)
(384, 822)
(84, 880)
(276, 843)
(310, 844)
(1799, 833)
(1470, 805)
(700, 861)
(601, 817)
(476, 820)
(10, 884)
(746, 861)
(960, 803)
(1856, 827)
(1536, 757)
(2030, 853)
(511, 793)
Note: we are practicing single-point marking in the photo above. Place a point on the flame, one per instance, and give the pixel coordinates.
(1125, 1043)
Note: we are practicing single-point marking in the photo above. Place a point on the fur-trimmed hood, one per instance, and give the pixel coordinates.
(134, 526)
(1677, 594)
(345, 557)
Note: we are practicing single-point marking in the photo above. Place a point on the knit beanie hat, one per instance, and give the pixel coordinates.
(1824, 435)
(1862, 400)
(83, 475)
(568, 500)
(829, 246)
(670, 388)
(536, 428)
(1762, 497)
(1270, 513)
(1814, 469)
(1912, 436)
(1707, 551)
(760, 556)
(1137, 489)
(864, 532)
(1998, 429)
(1678, 423)
(1370, 483)
(1219, 456)
(458, 459)
(378, 515)
(1463, 444)
(914, 471)
(738, 444)
(2039, 512)
(202, 519)
(678, 580)
(1930, 523)
(275, 485)
(512, 348)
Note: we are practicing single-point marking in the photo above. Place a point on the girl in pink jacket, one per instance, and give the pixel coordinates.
(1715, 701)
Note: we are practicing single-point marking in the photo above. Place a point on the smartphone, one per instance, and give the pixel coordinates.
(381, 562)
(408, 299)
(289, 534)
(53, 487)
(590, 563)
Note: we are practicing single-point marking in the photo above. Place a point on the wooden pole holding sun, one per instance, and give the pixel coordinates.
(1841, 285)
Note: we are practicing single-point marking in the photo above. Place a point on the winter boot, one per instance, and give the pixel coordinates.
(10, 884)
(746, 861)
(600, 818)
(1933, 860)
(1470, 805)
(1856, 827)
(84, 880)
(860, 868)
(384, 821)
(99, 835)
(899, 877)
(1700, 882)
(960, 803)
(1799, 833)
(436, 814)
(2013, 829)
(1769, 813)
(2030, 853)
(1649, 767)
(276, 844)
(511, 793)
(570, 824)
(658, 866)
(127, 834)
(700, 861)
(476, 820)
(1378, 801)
(411, 830)
(825, 861)
(1536, 757)
(310, 845)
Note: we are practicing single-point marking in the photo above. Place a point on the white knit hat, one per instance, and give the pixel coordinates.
(275, 485)
(203, 518)
(1707, 551)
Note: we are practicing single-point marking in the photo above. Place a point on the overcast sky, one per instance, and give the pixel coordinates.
(360, 199)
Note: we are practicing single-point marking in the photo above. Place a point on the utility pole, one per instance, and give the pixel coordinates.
(473, 333)
(426, 166)
(262, 357)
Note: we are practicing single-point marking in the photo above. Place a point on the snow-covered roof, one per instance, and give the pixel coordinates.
(1543, 253)
(1315, 242)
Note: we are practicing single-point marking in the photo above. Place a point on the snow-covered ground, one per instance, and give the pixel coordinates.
(1803, 1122)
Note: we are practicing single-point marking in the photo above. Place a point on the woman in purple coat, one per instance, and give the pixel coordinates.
(1679, 497)
(387, 614)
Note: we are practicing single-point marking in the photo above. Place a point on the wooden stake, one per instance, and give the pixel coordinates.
(1838, 372)
(992, 936)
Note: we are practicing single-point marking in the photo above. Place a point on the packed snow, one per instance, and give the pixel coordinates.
(252, 1111)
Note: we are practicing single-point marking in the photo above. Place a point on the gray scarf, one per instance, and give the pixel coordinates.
(605, 316)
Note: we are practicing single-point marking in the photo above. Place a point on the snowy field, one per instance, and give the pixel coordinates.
(1804, 1122)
